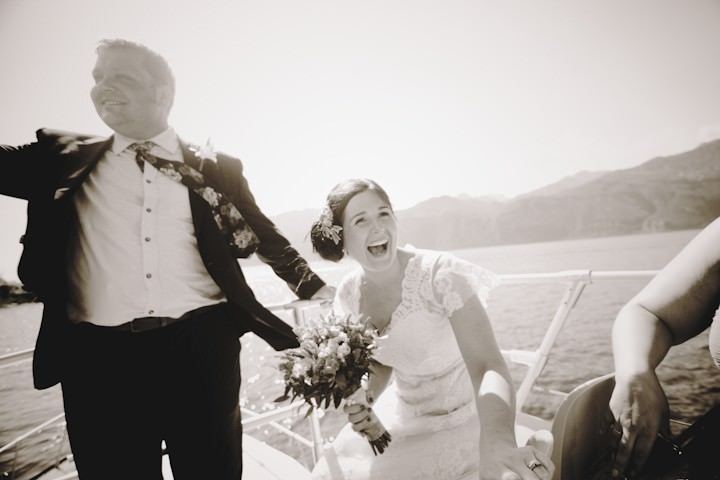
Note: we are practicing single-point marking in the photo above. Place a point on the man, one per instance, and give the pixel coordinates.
(135, 262)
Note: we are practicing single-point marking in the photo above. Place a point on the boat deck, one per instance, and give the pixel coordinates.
(262, 461)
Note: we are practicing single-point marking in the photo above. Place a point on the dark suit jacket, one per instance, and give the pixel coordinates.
(47, 172)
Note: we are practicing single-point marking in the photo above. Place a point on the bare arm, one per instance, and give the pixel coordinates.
(377, 381)
(495, 397)
(358, 411)
(676, 305)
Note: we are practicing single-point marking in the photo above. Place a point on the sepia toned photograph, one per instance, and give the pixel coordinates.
(359, 240)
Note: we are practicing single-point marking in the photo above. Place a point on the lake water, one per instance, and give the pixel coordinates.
(520, 315)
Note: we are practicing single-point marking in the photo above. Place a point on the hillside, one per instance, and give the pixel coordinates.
(666, 193)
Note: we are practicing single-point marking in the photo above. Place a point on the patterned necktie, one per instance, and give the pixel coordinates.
(227, 217)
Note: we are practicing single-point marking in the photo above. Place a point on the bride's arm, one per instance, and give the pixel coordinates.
(358, 412)
(495, 397)
(377, 380)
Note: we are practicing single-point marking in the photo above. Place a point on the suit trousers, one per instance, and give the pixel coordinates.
(126, 392)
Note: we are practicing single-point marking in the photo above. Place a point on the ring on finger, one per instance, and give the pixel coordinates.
(534, 464)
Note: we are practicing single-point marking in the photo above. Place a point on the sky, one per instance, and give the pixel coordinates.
(428, 98)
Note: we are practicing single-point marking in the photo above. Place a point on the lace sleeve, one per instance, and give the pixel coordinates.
(456, 280)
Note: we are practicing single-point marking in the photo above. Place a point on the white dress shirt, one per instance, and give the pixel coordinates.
(136, 253)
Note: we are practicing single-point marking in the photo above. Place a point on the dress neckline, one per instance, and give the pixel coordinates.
(411, 261)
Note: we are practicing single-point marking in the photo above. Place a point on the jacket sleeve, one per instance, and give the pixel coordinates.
(274, 249)
(26, 170)
(23, 169)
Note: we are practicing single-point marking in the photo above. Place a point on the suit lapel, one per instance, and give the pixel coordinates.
(198, 207)
(188, 156)
(201, 212)
(82, 156)
(206, 166)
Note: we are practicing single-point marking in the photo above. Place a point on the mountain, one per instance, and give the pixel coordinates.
(567, 183)
(450, 222)
(295, 226)
(666, 193)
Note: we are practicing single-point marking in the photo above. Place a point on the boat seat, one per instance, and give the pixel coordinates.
(581, 431)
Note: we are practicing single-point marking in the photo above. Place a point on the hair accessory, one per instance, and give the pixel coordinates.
(327, 228)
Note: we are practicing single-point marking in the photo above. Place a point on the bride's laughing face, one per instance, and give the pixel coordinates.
(370, 231)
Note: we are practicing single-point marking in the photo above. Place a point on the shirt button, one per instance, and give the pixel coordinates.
(147, 239)
(150, 312)
(148, 210)
(148, 181)
(148, 275)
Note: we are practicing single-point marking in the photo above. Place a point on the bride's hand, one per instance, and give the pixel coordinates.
(508, 462)
(358, 410)
(363, 420)
(358, 416)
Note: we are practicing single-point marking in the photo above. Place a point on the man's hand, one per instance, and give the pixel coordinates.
(326, 292)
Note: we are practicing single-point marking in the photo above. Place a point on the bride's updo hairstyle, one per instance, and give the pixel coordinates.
(326, 233)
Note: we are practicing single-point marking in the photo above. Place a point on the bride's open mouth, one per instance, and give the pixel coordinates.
(378, 248)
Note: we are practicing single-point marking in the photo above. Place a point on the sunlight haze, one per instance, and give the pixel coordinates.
(428, 98)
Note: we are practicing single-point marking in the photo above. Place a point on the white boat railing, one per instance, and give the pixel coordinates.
(535, 360)
(13, 359)
(575, 281)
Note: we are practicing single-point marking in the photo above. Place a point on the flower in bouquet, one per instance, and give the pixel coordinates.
(329, 366)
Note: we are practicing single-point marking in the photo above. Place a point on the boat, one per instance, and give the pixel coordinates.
(573, 438)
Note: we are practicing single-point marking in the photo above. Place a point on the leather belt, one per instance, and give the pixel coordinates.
(144, 324)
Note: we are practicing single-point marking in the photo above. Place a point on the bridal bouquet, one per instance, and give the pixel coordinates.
(329, 367)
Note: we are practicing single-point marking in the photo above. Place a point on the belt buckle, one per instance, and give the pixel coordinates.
(144, 324)
(133, 328)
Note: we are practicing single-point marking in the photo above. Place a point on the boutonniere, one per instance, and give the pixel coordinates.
(205, 152)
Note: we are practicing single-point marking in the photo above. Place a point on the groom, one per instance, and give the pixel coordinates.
(131, 244)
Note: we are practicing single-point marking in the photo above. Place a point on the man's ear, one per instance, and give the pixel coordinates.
(165, 96)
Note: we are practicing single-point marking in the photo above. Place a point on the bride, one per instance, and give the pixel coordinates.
(440, 385)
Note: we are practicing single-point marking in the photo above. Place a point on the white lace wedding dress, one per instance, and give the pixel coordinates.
(428, 408)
